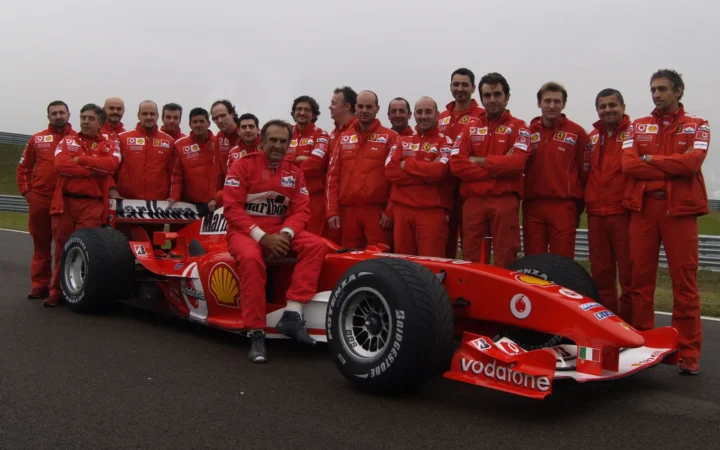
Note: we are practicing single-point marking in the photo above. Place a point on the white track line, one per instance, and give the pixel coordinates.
(662, 313)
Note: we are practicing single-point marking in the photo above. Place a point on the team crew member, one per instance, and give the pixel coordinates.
(267, 207)
(171, 117)
(555, 177)
(450, 123)
(249, 141)
(85, 164)
(663, 156)
(489, 158)
(36, 180)
(148, 159)
(114, 111)
(226, 119)
(608, 220)
(342, 112)
(358, 193)
(421, 196)
(399, 114)
(309, 148)
(198, 177)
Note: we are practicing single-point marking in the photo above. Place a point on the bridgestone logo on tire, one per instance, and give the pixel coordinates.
(390, 358)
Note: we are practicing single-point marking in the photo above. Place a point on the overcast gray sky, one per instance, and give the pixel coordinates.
(262, 54)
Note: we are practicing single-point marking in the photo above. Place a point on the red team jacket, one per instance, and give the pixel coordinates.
(451, 122)
(312, 142)
(679, 143)
(198, 176)
(494, 140)
(36, 170)
(423, 183)
(263, 196)
(237, 152)
(606, 180)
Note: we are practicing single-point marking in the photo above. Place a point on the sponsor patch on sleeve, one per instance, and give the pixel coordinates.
(319, 153)
(304, 191)
(627, 144)
(701, 145)
(232, 182)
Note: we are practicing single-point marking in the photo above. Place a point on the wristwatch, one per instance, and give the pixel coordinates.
(644, 158)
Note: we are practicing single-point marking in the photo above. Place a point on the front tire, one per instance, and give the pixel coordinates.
(389, 326)
(96, 269)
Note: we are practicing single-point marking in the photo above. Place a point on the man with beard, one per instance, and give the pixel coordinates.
(450, 123)
(421, 196)
(489, 158)
(309, 149)
(608, 220)
(148, 159)
(171, 117)
(663, 156)
(358, 192)
(555, 177)
(266, 208)
(85, 164)
(36, 179)
(114, 111)
(399, 114)
(198, 177)
(226, 119)
(342, 112)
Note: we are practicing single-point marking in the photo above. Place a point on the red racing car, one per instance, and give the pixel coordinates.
(391, 322)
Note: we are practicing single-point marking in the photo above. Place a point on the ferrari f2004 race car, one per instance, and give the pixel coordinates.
(391, 322)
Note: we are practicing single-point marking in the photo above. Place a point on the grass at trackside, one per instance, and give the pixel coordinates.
(9, 157)
(14, 221)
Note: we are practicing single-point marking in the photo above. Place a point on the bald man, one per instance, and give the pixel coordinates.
(357, 191)
(421, 194)
(114, 109)
(148, 159)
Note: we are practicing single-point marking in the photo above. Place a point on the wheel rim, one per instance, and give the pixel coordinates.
(365, 325)
(75, 270)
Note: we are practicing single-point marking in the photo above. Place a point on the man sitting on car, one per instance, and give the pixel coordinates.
(267, 207)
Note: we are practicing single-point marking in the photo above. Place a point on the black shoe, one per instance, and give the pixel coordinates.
(292, 325)
(258, 352)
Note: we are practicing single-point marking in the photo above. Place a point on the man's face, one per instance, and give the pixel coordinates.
(171, 120)
(610, 110)
(425, 115)
(89, 123)
(199, 125)
(114, 110)
(303, 114)
(551, 105)
(494, 99)
(399, 114)
(222, 118)
(58, 116)
(275, 142)
(366, 109)
(663, 95)
(148, 115)
(461, 88)
(338, 107)
(248, 131)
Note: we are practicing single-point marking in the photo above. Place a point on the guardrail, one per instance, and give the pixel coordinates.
(709, 245)
(714, 205)
(14, 138)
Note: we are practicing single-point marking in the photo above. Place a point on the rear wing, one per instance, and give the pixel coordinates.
(153, 211)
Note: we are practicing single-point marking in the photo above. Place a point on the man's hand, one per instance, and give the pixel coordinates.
(287, 235)
(648, 159)
(479, 160)
(114, 194)
(212, 205)
(171, 201)
(301, 158)
(76, 159)
(402, 164)
(385, 221)
(278, 244)
(334, 222)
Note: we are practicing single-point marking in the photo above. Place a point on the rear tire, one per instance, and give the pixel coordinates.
(390, 326)
(96, 269)
(561, 270)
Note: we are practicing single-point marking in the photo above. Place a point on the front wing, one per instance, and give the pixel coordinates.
(504, 366)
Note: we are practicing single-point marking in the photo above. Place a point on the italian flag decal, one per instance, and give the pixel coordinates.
(589, 354)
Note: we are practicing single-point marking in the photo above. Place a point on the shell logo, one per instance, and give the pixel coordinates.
(224, 285)
(535, 281)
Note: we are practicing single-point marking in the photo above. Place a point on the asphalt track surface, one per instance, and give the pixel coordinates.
(132, 379)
